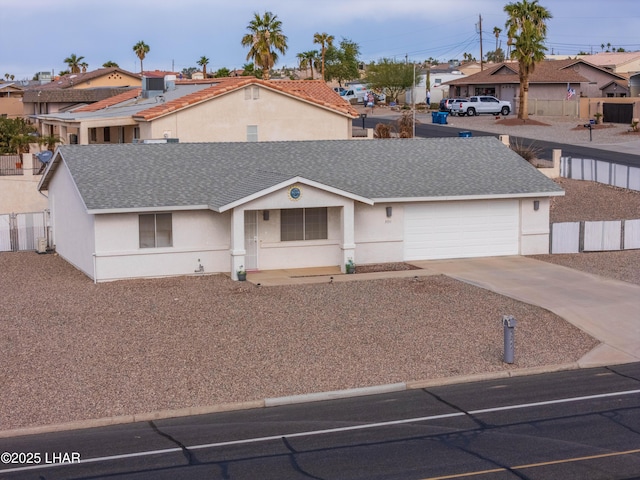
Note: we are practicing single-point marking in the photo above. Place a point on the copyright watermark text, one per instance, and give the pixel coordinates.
(37, 458)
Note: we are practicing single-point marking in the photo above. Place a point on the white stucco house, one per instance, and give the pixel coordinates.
(134, 210)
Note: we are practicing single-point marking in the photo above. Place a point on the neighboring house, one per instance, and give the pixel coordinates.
(236, 109)
(130, 211)
(73, 90)
(551, 81)
(439, 75)
(616, 62)
(11, 94)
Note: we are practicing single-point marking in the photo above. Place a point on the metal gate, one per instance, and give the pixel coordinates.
(21, 231)
(617, 112)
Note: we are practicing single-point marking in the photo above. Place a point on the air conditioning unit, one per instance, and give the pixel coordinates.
(42, 245)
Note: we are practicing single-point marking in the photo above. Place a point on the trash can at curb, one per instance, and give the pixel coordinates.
(434, 117)
(443, 118)
(509, 323)
(465, 134)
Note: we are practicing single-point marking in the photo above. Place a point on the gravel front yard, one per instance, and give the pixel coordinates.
(72, 350)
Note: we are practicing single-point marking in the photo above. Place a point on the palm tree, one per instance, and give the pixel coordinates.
(84, 66)
(141, 49)
(526, 30)
(324, 40)
(203, 62)
(310, 60)
(74, 63)
(110, 64)
(497, 31)
(264, 41)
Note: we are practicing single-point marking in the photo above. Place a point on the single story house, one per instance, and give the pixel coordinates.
(152, 210)
(559, 81)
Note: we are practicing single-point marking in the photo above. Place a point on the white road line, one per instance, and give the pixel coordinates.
(325, 431)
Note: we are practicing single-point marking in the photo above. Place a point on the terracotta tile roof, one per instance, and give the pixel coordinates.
(312, 91)
(550, 71)
(108, 102)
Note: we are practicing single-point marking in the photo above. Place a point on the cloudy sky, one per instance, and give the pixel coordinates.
(37, 35)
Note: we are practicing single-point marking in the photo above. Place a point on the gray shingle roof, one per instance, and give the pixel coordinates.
(130, 176)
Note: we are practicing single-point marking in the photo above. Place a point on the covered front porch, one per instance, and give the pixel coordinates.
(295, 225)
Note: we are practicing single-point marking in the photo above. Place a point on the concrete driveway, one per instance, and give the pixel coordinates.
(607, 309)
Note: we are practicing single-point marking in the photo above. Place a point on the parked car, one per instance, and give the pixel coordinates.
(480, 104)
(446, 104)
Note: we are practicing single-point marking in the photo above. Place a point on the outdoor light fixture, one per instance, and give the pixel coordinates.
(389, 212)
(363, 116)
(265, 215)
(536, 205)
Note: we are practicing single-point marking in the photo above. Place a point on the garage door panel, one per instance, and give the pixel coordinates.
(461, 229)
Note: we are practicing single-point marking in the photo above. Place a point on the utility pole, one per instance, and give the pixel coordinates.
(481, 60)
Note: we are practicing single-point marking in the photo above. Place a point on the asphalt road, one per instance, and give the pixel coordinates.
(427, 130)
(582, 424)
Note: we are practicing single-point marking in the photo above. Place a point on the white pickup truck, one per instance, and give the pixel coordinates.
(481, 104)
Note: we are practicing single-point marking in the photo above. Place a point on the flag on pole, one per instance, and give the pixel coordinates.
(570, 91)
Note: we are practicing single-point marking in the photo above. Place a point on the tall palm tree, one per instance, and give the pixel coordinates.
(203, 62)
(526, 30)
(324, 40)
(497, 31)
(265, 39)
(141, 49)
(74, 62)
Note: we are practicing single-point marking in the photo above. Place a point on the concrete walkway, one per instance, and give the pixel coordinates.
(606, 309)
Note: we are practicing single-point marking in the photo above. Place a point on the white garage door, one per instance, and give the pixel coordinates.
(481, 228)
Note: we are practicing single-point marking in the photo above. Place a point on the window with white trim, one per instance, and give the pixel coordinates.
(156, 230)
(251, 93)
(252, 133)
(303, 224)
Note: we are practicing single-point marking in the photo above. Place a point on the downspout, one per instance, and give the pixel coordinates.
(95, 278)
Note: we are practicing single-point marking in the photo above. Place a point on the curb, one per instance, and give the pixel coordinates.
(289, 400)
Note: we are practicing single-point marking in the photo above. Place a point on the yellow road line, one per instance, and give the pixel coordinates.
(534, 465)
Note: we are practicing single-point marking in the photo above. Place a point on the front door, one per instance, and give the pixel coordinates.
(251, 239)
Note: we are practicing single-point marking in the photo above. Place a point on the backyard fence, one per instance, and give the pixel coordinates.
(623, 176)
(21, 231)
(610, 235)
(558, 108)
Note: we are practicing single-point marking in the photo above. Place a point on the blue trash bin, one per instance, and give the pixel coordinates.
(464, 134)
(434, 117)
(443, 118)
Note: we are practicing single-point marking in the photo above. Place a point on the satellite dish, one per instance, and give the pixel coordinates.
(45, 157)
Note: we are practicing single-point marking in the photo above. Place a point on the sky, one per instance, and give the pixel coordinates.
(37, 35)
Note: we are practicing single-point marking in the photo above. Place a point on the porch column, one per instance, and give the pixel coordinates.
(237, 242)
(83, 134)
(348, 235)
